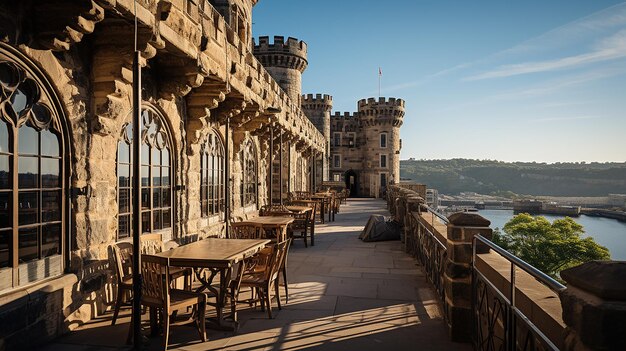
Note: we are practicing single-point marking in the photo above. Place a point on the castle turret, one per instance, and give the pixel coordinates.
(380, 120)
(284, 61)
(317, 108)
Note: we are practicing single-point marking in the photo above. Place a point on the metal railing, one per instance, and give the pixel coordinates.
(429, 250)
(499, 324)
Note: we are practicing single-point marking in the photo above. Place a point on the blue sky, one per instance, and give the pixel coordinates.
(526, 80)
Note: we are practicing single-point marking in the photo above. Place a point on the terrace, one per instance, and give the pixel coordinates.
(344, 294)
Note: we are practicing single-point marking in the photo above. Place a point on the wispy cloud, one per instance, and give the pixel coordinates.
(566, 118)
(611, 48)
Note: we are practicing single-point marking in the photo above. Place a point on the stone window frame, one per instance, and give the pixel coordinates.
(351, 139)
(336, 157)
(249, 179)
(31, 108)
(337, 138)
(155, 210)
(384, 140)
(212, 189)
(382, 164)
(337, 177)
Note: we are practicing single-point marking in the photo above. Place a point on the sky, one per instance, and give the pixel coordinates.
(530, 80)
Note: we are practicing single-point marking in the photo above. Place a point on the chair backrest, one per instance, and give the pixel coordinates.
(244, 231)
(274, 210)
(311, 214)
(151, 243)
(277, 259)
(155, 287)
(122, 256)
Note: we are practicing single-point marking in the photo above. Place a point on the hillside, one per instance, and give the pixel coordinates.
(503, 178)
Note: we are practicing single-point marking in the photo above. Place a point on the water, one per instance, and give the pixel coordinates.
(609, 233)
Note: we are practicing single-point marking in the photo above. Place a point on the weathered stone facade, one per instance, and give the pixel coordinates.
(199, 78)
(364, 146)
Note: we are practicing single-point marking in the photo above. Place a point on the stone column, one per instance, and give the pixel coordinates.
(594, 306)
(462, 228)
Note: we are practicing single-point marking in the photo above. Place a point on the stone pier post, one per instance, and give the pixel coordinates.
(594, 306)
(462, 228)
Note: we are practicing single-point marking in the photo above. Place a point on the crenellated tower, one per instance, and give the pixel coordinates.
(380, 121)
(317, 108)
(284, 61)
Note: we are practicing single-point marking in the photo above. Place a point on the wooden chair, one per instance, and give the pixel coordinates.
(159, 296)
(274, 210)
(244, 231)
(262, 277)
(122, 253)
(304, 224)
(153, 243)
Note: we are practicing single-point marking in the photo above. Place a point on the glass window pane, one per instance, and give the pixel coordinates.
(156, 156)
(145, 199)
(167, 197)
(4, 137)
(165, 178)
(156, 176)
(28, 203)
(5, 178)
(156, 197)
(28, 176)
(51, 240)
(158, 224)
(165, 157)
(145, 154)
(50, 206)
(28, 244)
(123, 176)
(123, 229)
(19, 100)
(28, 140)
(123, 152)
(145, 176)
(50, 175)
(167, 218)
(5, 248)
(145, 222)
(5, 210)
(49, 144)
(124, 201)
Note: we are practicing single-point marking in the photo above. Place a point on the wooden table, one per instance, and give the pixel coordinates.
(218, 257)
(278, 223)
(324, 199)
(299, 209)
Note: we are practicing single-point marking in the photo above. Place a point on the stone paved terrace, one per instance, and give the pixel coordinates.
(344, 295)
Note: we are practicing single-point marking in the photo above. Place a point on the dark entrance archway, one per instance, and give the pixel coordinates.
(352, 182)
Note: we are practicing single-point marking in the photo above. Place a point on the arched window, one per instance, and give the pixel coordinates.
(32, 175)
(156, 175)
(249, 179)
(212, 175)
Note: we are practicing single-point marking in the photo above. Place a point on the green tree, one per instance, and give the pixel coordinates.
(550, 247)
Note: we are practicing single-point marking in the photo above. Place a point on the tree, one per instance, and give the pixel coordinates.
(549, 247)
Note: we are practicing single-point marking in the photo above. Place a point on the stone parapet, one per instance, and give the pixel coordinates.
(594, 306)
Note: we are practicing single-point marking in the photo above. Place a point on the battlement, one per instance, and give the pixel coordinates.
(292, 46)
(347, 115)
(380, 103)
(310, 101)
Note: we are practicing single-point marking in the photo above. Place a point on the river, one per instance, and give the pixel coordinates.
(609, 233)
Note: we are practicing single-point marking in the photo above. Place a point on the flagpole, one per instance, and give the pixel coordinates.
(380, 73)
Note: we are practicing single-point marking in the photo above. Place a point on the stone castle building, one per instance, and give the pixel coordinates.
(212, 100)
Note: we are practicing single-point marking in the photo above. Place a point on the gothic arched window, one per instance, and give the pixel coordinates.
(249, 179)
(32, 175)
(212, 175)
(156, 175)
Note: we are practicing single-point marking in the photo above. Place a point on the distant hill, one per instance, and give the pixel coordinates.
(505, 178)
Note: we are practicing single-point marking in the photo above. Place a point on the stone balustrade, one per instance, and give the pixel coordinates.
(590, 316)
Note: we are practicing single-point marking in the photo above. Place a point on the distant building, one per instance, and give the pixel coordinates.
(432, 198)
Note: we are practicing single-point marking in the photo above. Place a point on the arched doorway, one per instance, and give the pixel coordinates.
(352, 182)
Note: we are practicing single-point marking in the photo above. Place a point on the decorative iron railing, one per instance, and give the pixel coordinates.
(499, 324)
(429, 250)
